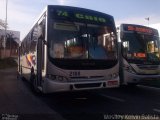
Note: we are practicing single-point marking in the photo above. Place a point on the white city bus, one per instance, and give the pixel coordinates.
(70, 49)
(139, 54)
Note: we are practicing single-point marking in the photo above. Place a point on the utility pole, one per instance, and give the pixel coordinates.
(5, 38)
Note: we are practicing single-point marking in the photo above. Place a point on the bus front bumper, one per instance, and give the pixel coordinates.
(50, 86)
(135, 78)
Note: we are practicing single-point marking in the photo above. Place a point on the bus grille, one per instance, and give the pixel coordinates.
(148, 67)
(88, 85)
(90, 78)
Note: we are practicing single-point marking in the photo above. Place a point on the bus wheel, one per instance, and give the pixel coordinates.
(34, 88)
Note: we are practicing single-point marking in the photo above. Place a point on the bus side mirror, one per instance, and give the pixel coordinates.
(34, 34)
(121, 35)
(39, 33)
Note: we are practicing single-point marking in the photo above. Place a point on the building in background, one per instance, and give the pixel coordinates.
(9, 47)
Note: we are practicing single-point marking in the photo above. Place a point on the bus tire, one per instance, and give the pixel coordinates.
(34, 88)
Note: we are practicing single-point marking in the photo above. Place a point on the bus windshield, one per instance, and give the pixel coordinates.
(138, 46)
(74, 40)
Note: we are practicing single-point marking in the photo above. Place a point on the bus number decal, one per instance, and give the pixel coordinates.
(74, 73)
(62, 13)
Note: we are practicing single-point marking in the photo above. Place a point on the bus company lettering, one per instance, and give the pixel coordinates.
(89, 17)
(82, 16)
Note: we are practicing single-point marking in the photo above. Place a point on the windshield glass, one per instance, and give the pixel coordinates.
(70, 40)
(140, 46)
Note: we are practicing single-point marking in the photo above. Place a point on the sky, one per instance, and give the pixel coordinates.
(23, 13)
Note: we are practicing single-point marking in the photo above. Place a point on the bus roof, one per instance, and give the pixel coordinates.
(76, 14)
(70, 9)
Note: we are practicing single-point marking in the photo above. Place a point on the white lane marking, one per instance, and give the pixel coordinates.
(155, 88)
(113, 98)
(156, 110)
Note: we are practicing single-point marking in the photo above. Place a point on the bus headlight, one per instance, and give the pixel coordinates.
(62, 78)
(52, 77)
(57, 78)
(113, 75)
(129, 69)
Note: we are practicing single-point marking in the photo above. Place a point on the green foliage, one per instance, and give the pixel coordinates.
(7, 63)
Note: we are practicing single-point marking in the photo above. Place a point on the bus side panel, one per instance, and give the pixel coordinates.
(25, 68)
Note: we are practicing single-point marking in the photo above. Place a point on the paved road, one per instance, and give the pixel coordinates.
(16, 98)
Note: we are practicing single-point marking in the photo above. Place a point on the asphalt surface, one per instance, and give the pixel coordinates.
(18, 101)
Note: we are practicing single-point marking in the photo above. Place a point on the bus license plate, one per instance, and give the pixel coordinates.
(112, 83)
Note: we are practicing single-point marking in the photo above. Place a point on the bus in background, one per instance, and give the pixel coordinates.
(70, 49)
(139, 54)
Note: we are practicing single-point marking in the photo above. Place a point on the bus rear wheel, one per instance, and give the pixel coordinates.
(33, 84)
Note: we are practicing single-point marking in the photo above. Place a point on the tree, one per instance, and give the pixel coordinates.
(11, 43)
(3, 24)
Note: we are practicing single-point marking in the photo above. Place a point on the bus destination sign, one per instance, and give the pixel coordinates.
(79, 16)
(139, 29)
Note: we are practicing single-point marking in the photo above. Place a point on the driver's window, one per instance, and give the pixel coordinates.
(151, 47)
